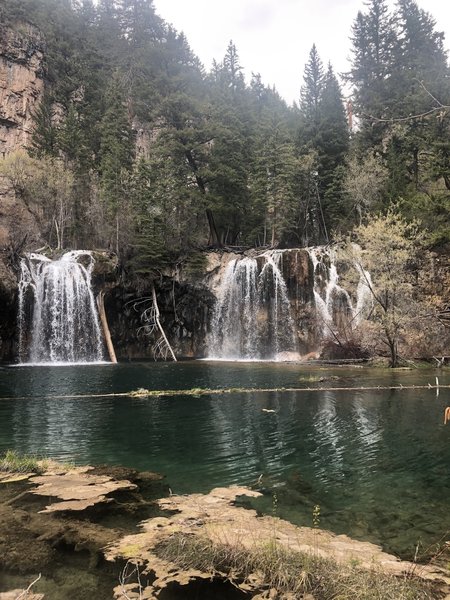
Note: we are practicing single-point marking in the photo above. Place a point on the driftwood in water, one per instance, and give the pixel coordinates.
(143, 393)
(103, 319)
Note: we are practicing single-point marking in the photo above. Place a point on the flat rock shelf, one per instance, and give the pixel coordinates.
(110, 523)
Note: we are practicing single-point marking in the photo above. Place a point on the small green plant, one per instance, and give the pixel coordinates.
(316, 523)
(316, 516)
(274, 504)
(311, 378)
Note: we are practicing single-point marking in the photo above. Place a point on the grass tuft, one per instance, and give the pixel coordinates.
(291, 572)
(13, 462)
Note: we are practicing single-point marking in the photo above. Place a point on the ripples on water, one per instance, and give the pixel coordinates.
(377, 463)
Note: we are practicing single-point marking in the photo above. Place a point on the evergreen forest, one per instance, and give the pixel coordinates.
(155, 158)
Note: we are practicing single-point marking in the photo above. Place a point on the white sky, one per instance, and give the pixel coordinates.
(274, 37)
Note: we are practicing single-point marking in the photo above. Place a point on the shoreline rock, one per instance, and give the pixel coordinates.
(99, 520)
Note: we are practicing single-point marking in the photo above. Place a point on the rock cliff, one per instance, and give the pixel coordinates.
(21, 90)
(21, 84)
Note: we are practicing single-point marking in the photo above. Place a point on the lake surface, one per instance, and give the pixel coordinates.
(376, 462)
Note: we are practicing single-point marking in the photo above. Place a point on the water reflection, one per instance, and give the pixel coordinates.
(376, 462)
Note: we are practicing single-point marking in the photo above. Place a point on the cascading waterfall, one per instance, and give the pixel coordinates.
(257, 317)
(364, 304)
(64, 324)
(252, 318)
(331, 299)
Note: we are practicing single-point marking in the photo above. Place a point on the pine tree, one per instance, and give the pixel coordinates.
(138, 21)
(232, 70)
(324, 131)
(333, 145)
(312, 89)
(374, 41)
(148, 244)
(43, 140)
(116, 153)
(274, 185)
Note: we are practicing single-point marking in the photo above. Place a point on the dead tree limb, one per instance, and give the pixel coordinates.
(104, 321)
(158, 323)
(151, 322)
(25, 593)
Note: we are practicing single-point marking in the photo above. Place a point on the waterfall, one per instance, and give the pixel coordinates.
(364, 296)
(333, 303)
(64, 325)
(252, 318)
(282, 302)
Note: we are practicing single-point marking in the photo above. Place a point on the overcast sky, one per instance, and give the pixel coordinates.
(274, 37)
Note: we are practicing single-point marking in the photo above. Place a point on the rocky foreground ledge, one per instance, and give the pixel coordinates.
(129, 539)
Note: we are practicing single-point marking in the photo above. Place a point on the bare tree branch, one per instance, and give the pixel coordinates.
(25, 593)
(441, 107)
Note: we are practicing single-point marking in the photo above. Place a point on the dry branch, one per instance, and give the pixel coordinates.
(150, 323)
(25, 593)
(104, 321)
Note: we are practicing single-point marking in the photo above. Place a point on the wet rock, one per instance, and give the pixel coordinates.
(298, 273)
(66, 545)
(185, 311)
(21, 84)
(105, 268)
(78, 489)
(217, 518)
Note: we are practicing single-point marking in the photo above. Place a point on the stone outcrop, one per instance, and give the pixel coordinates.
(77, 489)
(215, 517)
(21, 84)
(21, 90)
(65, 545)
(185, 312)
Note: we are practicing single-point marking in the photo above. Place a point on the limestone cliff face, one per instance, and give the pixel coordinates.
(21, 84)
(21, 90)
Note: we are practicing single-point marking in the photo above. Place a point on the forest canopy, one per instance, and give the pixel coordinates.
(165, 158)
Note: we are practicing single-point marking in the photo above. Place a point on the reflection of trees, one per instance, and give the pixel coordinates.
(367, 422)
(357, 454)
(63, 428)
(329, 438)
(252, 441)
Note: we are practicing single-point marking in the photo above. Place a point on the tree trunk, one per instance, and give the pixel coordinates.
(104, 321)
(392, 343)
(447, 181)
(214, 238)
(155, 306)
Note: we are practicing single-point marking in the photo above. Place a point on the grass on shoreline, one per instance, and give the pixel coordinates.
(13, 462)
(292, 572)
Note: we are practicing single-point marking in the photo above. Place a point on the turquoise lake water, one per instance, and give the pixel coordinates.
(376, 462)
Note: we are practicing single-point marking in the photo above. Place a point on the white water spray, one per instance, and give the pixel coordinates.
(256, 318)
(252, 319)
(64, 324)
(330, 297)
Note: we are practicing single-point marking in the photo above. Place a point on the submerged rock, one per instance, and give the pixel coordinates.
(78, 489)
(96, 516)
(216, 518)
(64, 540)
